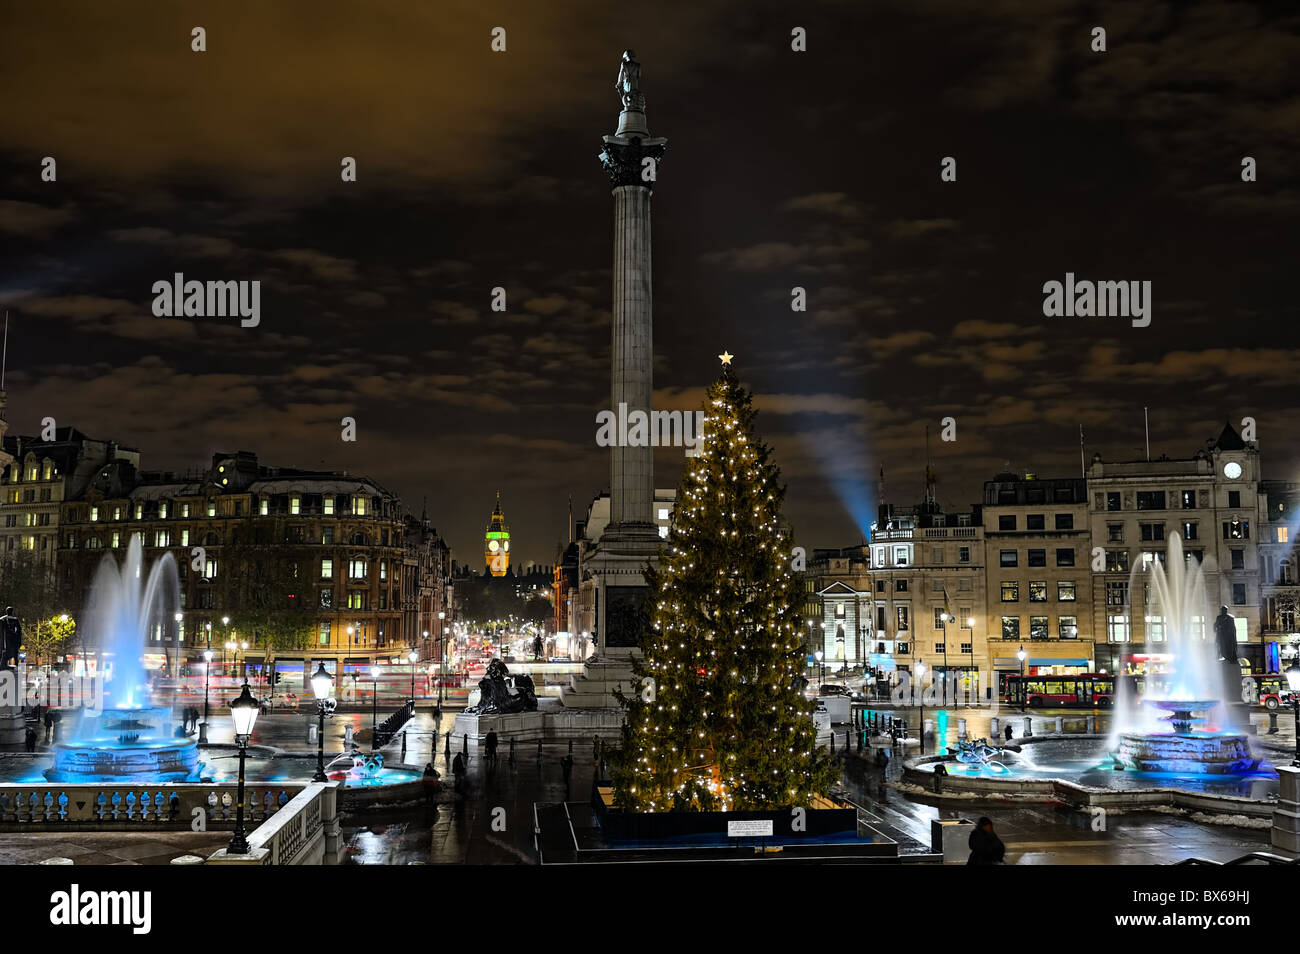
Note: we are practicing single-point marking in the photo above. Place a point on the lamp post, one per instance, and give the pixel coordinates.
(243, 648)
(321, 684)
(970, 662)
(225, 623)
(1293, 681)
(374, 704)
(207, 669)
(178, 618)
(920, 698)
(442, 657)
(822, 670)
(944, 619)
(412, 657)
(244, 711)
(1024, 693)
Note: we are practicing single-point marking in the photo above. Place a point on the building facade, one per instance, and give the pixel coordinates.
(300, 565)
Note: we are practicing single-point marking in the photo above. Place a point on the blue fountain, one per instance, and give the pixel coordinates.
(1184, 740)
(128, 741)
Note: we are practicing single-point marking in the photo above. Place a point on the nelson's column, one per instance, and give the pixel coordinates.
(613, 586)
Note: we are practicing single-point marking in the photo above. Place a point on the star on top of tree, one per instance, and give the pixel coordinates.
(726, 357)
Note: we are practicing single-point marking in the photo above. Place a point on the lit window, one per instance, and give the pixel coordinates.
(327, 569)
(329, 505)
(295, 505)
(1281, 534)
(210, 569)
(185, 510)
(162, 510)
(264, 508)
(117, 539)
(663, 513)
(212, 507)
(185, 538)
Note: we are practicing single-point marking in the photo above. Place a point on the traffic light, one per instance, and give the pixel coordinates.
(278, 677)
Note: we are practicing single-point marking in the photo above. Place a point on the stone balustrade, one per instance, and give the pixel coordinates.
(109, 806)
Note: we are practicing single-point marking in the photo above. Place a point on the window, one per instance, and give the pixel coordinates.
(357, 600)
(1152, 531)
(1008, 558)
(880, 586)
(383, 599)
(1067, 627)
(900, 556)
(1037, 558)
(900, 586)
(1065, 556)
(839, 607)
(324, 634)
(963, 553)
(185, 510)
(185, 538)
(92, 543)
(1011, 627)
(1038, 627)
(264, 507)
(1035, 495)
(327, 536)
(94, 513)
(965, 649)
(1151, 500)
(327, 569)
(1065, 521)
(326, 599)
(1236, 529)
(1238, 559)
(1189, 530)
(359, 505)
(1113, 501)
(902, 617)
(964, 585)
(1282, 534)
(1007, 521)
(1116, 594)
(1190, 555)
(1239, 594)
(328, 504)
(162, 510)
(936, 555)
(162, 538)
(940, 618)
(1035, 521)
(1116, 561)
(383, 574)
(936, 586)
(1038, 591)
(212, 506)
(295, 505)
(1234, 498)
(964, 617)
(902, 649)
(1155, 629)
(1114, 533)
(1189, 499)
(210, 569)
(117, 539)
(940, 647)
(357, 568)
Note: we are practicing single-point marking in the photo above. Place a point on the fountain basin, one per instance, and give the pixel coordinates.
(1198, 752)
(125, 745)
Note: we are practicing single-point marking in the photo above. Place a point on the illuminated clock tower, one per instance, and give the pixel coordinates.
(496, 542)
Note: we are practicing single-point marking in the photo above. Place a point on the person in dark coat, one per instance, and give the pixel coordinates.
(986, 847)
(432, 783)
(492, 746)
(30, 738)
(458, 770)
(1007, 733)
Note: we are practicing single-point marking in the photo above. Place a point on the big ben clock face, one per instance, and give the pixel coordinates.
(506, 546)
(493, 546)
(1232, 470)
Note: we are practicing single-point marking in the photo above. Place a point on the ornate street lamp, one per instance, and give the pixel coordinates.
(374, 705)
(822, 671)
(1024, 691)
(412, 657)
(244, 712)
(1293, 681)
(207, 668)
(321, 684)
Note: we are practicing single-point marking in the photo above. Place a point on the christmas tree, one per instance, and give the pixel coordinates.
(718, 720)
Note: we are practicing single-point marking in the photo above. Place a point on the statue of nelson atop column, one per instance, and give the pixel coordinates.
(628, 83)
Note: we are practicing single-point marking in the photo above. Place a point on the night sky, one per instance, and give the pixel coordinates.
(817, 169)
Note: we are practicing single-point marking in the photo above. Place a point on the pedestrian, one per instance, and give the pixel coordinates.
(458, 770)
(49, 724)
(492, 746)
(986, 847)
(566, 765)
(30, 738)
(432, 783)
(1007, 733)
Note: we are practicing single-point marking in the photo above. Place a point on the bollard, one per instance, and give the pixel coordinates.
(403, 756)
(994, 731)
(464, 745)
(1092, 725)
(1272, 723)
(1060, 725)
(512, 751)
(570, 746)
(447, 751)
(961, 730)
(1029, 727)
(862, 739)
(848, 735)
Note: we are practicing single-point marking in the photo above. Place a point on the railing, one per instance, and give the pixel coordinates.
(299, 832)
(108, 806)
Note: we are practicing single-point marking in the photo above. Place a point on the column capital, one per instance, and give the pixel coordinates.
(623, 157)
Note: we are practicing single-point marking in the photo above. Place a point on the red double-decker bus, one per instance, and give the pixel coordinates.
(1089, 690)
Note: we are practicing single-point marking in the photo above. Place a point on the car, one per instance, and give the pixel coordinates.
(832, 689)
